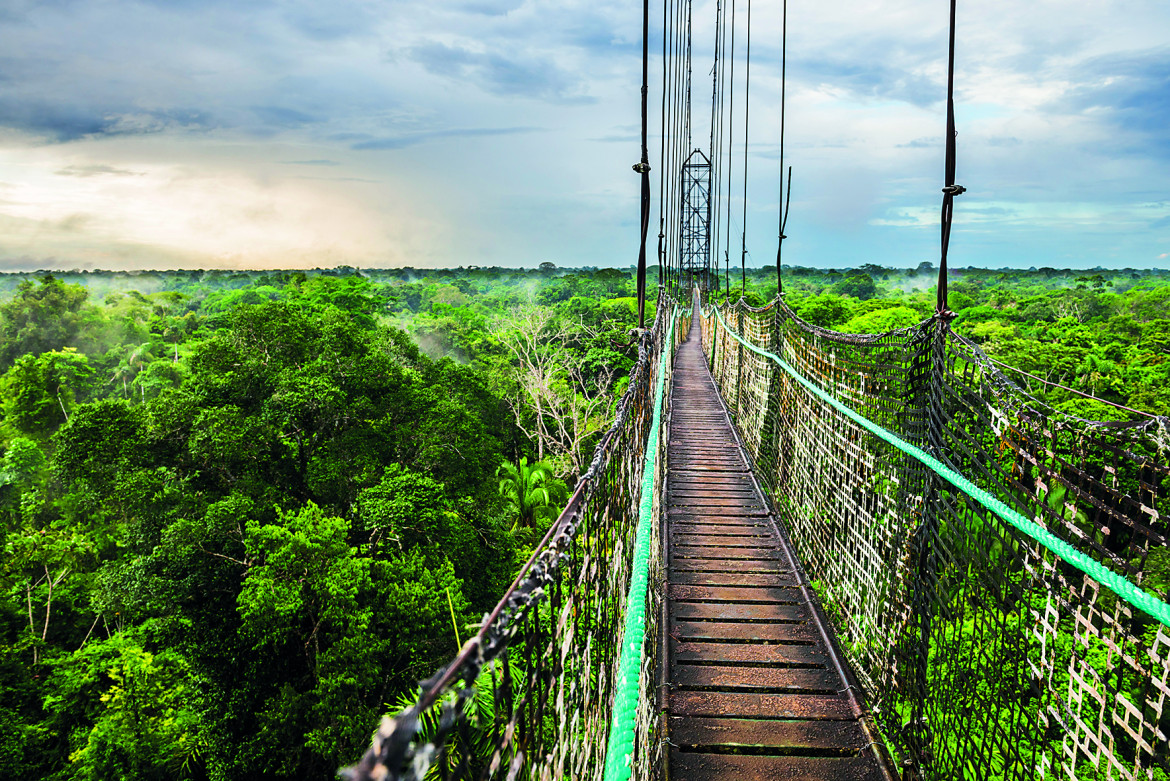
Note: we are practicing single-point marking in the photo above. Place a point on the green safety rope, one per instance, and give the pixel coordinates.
(629, 673)
(1119, 584)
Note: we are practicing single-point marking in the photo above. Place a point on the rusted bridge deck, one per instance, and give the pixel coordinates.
(756, 690)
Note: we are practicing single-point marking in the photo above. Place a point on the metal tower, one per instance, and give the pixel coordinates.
(695, 243)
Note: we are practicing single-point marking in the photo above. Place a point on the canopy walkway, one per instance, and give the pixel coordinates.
(755, 686)
(985, 593)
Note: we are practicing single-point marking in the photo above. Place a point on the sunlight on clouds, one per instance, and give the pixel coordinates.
(215, 216)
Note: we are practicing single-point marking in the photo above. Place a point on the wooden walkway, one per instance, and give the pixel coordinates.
(755, 690)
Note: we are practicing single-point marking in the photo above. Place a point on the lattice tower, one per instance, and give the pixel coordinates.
(695, 239)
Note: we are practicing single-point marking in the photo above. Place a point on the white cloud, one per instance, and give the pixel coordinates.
(499, 131)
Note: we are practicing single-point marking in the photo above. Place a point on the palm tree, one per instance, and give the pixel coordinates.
(131, 365)
(531, 493)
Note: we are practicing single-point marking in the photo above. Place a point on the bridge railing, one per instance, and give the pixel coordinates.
(531, 695)
(1018, 640)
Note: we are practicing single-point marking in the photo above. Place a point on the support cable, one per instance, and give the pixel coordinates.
(727, 248)
(675, 134)
(785, 192)
(715, 123)
(663, 276)
(687, 105)
(715, 186)
(950, 189)
(747, 105)
(643, 165)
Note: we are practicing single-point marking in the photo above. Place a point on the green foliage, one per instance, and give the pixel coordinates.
(409, 509)
(882, 320)
(826, 310)
(39, 391)
(532, 496)
(857, 285)
(149, 724)
(242, 505)
(41, 317)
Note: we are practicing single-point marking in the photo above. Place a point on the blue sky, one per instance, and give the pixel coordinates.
(175, 133)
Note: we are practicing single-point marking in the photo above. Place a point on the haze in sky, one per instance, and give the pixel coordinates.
(176, 133)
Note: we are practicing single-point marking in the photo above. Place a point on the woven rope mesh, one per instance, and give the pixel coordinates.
(982, 654)
(534, 696)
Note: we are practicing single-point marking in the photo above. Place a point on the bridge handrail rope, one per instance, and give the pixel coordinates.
(536, 619)
(622, 730)
(1119, 584)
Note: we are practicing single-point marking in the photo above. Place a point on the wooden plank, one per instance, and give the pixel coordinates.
(770, 680)
(822, 737)
(729, 495)
(742, 541)
(759, 706)
(758, 653)
(714, 468)
(732, 578)
(740, 565)
(725, 552)
(712, 630)
(703, 767)
(715, 516)
(741, 611)
(718, 531)
(683, 593)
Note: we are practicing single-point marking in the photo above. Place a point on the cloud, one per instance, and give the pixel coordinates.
(524, 76)
(284, 117)
(1130, 91)
(528, 112)
(923, 143)
(310, 162)
(95, 170)
(887, 77)
(490, 7)
(411, 139)
(64, 121)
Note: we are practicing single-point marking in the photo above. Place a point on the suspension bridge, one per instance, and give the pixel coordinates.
(803, 554)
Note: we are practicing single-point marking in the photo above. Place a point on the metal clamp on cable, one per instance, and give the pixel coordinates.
(954, 189)
(642, 168)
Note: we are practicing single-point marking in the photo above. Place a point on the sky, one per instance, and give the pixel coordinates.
(440, 133)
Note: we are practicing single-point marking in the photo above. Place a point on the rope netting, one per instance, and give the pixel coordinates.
(986, 647)
(532, 694)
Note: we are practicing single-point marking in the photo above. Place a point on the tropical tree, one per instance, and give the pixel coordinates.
(531, 494)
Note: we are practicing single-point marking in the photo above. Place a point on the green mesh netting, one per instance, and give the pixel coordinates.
(984, 654)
